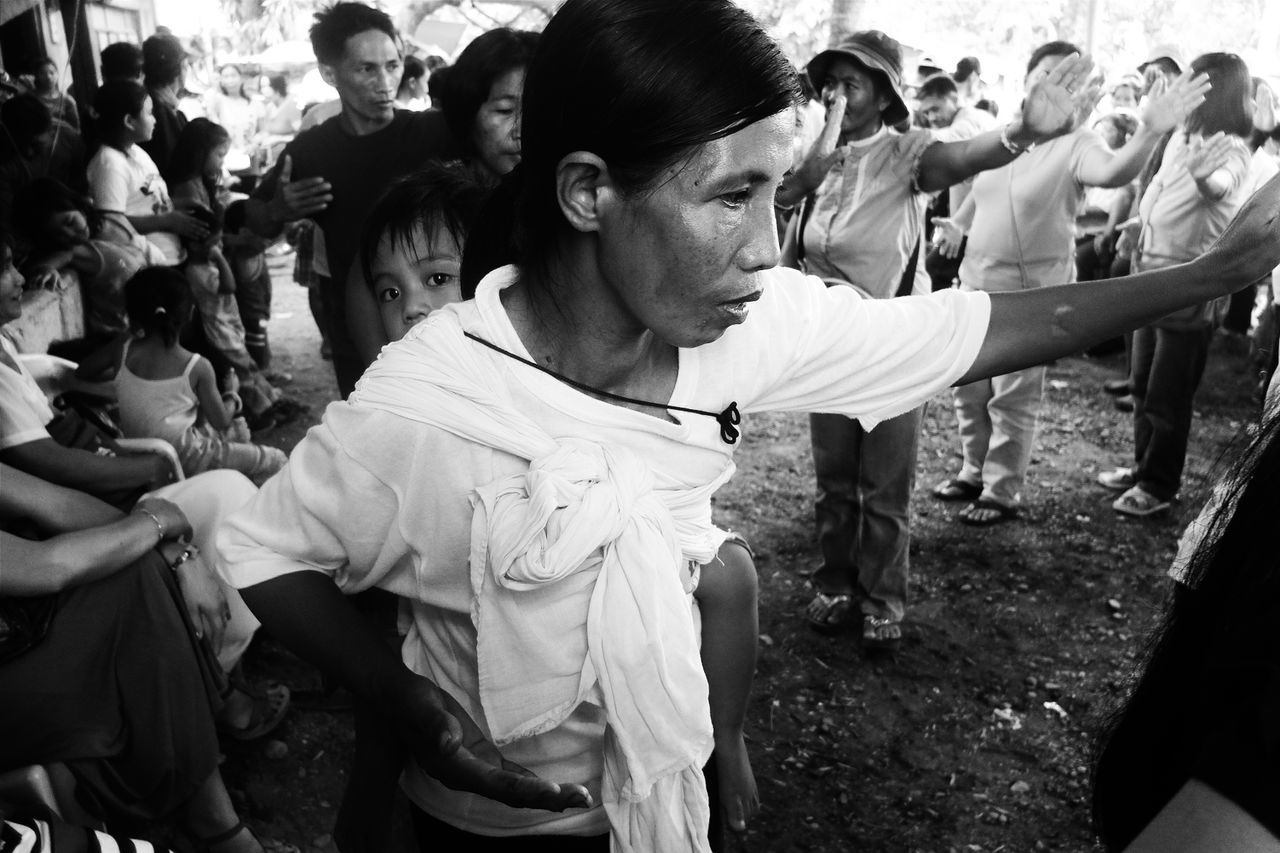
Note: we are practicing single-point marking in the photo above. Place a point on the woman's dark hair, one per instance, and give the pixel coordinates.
(339, 22)
(466, 86)
(413, 69)
(1053, 48)
(1228, 106)
(437, 196)
(616, 78)
(278, 84)
(40, 201)
(223, 67)
(191, 152)
(966, 68)
(158, 300)
(25, 117)
(121, 60)
(1208, 680)
(115, 101)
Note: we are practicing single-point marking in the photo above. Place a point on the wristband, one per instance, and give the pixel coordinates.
(187, 553)
(155, 518)
(1009, 145)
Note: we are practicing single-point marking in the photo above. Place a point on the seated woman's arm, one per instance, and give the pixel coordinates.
(74, 557)
(1034, 326)
(89, 472)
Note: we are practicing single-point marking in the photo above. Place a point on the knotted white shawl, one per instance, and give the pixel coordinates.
(576, 568)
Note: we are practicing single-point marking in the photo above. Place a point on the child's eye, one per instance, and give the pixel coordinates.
(389, 294)
(439, 279)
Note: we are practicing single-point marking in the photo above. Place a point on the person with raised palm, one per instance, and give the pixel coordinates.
(1020, 222)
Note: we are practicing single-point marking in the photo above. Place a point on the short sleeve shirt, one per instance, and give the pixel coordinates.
(130, 183)
(24, 410)
(868, 215)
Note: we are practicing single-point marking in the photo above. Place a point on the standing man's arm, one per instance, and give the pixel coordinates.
(281, 199)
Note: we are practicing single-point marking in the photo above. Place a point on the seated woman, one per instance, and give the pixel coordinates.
(68, 452)
(101, 670)
(532, 470)
(1190, 761)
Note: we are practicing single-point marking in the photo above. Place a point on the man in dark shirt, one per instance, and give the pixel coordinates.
(335, 172)
(162, 61)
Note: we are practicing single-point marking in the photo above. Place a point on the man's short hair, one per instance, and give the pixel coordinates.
(1053, 48)
(937, 86)
(162, 58)
(966, 68)
(339, 22)
(121, 61)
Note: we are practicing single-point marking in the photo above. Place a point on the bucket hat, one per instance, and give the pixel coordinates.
(1165, 51)
(876, 52)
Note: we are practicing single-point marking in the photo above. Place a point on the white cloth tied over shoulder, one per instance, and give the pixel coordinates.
(575, 566)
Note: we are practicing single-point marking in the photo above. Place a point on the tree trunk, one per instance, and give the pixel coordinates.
(846, 18)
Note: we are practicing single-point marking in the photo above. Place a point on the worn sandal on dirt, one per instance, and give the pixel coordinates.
(881, 634)
(269, 707)
(831, 614)
(985, 512)
(1120, 479)
(957, 490)
(1139, 503)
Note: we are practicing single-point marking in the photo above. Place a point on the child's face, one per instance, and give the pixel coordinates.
(410, 282)
(69, 228)
(142, 125)
(213, 163)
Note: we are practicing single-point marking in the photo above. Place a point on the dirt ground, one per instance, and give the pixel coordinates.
(976, 736)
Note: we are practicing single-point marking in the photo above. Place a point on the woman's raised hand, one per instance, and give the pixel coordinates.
(823, 154)
(1054, 104)
(1168, 105)
(1249, 248)
(1208, 155)
(450, 747)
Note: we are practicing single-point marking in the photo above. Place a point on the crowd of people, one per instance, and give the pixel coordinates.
(549, 299)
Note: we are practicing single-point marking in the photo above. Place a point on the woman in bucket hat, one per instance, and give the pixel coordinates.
(863, 226)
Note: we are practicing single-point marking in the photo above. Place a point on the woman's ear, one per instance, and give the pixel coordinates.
(582, 178)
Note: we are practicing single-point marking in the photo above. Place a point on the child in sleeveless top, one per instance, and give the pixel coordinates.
(167, 392)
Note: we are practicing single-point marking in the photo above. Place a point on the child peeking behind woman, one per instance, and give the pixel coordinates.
(167, 392)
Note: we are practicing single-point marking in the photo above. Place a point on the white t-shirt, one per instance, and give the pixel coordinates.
(24, 409)
(131, 184)
(374, 499)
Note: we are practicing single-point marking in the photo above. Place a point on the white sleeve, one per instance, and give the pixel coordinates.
(814, 348)
(108, 184)
(325, 511)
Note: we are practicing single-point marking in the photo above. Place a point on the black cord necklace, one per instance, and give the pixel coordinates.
(728, 419)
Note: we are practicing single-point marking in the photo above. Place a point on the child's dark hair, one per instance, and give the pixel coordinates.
(191, 152)
(235, 217)
(115, 101)
(39, 202)
(437, 196)
(158, 300)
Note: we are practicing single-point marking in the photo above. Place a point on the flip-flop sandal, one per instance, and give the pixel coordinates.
(881, 635)
(269, 707)
(831, 614)
(999, 513)
(957, 490)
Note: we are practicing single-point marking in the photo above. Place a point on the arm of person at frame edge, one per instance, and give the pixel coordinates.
(1034, 326)
(444, 740)
(1054, 106)
(363, 321)
(1198, 819)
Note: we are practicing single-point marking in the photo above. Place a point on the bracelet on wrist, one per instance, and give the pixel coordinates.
(187, 553)
(154, 518)
(1012, 147)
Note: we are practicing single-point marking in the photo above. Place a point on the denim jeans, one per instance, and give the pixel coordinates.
(863, 510)
(1166, 368)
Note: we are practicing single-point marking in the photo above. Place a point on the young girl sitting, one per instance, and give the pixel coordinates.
(124, 179)
(65, 232)
(411, 256)
(168, 392)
